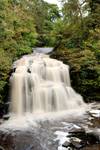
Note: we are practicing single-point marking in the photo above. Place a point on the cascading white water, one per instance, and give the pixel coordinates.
(41, 84)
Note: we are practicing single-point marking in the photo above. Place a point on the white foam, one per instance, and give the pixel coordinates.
(40, 85)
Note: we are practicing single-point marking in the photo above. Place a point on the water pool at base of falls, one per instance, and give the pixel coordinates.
(73, 129)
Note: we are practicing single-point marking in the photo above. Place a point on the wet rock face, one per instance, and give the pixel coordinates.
(83, 135)
(79, 139)
(79, 133)
(74, 143)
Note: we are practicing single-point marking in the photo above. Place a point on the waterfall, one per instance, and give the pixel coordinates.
(41, 84)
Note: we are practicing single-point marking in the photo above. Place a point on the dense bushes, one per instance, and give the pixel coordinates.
(17, 36)
(5, 66)
(78, 44)
(84, 70)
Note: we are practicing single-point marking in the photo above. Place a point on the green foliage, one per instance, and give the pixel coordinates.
(45, 18)
(5, 66)
(84, 69)
(17, 37)
(79, 45)
(18, 32)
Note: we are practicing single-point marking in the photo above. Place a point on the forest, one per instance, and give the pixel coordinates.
(73, 30)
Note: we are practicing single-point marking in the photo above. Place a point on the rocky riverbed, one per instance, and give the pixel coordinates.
(69, 131)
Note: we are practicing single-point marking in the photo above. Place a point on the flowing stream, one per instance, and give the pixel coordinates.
(46, 112)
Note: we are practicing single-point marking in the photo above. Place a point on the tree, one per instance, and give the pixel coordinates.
(79, 38)
(17, 37)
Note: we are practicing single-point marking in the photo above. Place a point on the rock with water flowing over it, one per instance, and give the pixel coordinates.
(40, 85)
(66, 144)
(79, 133)
(73, 142)
(76, 142)
(95, 113)
(6, 117)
